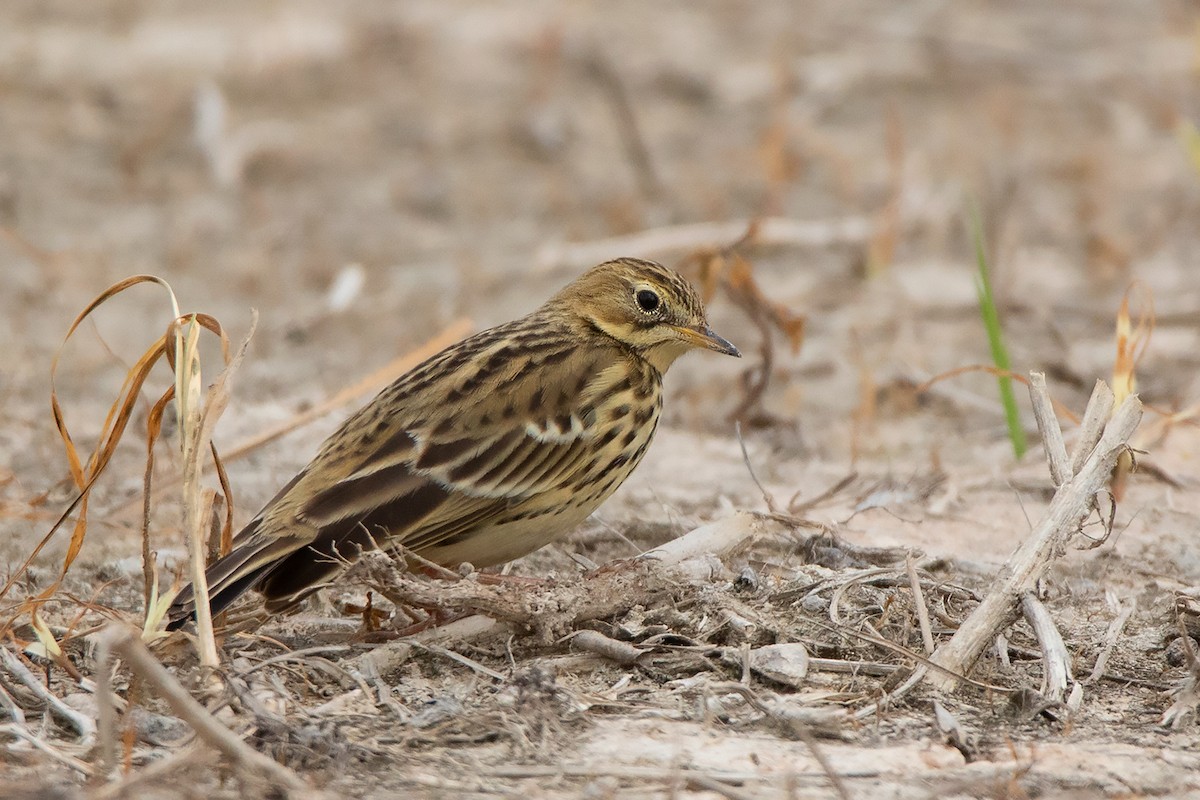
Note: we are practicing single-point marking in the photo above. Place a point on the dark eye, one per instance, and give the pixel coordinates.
(647, 300)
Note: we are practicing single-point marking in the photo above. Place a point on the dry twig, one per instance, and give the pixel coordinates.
(19, 731)
(1056, 661)
(1110, 640)
(125, 643)
(1072, 503)
(914, 581)
(85, 726)
(614, 650)
(494, 606)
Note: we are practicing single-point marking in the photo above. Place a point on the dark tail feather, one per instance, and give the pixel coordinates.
(288, 569)
(183, 610)
(229, 578)
(309, 568)
(283, 572)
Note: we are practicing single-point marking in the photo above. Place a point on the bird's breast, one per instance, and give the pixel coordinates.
(626, 420)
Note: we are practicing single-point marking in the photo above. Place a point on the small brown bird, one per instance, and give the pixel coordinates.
(487, 451)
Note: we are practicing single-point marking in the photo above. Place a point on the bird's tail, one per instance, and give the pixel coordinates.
(244, 568)
(285, 569)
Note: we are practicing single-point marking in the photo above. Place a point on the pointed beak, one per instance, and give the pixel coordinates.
(703, 336)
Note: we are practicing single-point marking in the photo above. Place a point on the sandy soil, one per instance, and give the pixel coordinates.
(467, 159)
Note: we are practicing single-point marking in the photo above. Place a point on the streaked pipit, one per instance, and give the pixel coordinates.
(489, 450)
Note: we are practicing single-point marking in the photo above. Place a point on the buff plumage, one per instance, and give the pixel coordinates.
(489, 450)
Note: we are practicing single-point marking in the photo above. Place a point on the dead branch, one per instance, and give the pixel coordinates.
(1056, 661)
(1052, 438)
(1072, 503)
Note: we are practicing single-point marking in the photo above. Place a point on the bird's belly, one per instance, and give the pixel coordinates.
(506, 541)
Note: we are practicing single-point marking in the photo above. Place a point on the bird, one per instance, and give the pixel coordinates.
(488, 450)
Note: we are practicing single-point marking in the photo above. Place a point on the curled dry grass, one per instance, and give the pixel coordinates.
(197, 410)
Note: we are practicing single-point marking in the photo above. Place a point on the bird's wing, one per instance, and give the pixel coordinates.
(416, 470)
(532, 427)
(420, 483)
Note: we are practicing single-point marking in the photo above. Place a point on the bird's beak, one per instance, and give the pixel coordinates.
(703, 336)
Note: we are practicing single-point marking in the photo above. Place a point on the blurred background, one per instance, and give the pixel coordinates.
(366, 173)
(369, 175)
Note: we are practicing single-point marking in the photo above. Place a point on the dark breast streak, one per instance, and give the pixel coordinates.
(631, 413)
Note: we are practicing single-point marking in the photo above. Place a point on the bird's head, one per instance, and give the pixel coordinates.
(652, 309)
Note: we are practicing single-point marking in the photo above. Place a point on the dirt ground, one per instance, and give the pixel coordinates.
(464, 160)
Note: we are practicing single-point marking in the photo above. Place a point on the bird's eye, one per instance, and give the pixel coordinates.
(647, 300)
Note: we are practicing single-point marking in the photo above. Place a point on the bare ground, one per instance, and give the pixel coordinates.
(470, 158)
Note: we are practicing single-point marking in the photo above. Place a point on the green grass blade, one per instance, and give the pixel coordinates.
(991, 324)
(1190, 137)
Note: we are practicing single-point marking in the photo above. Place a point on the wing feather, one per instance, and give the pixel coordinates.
(417, 466)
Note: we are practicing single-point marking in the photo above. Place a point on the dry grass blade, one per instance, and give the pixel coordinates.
(114, 425)
(1132, 340)
(198, 417)
(84, 474)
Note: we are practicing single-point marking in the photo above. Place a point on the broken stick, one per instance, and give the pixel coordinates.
(1072, 503)
(124, 641)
